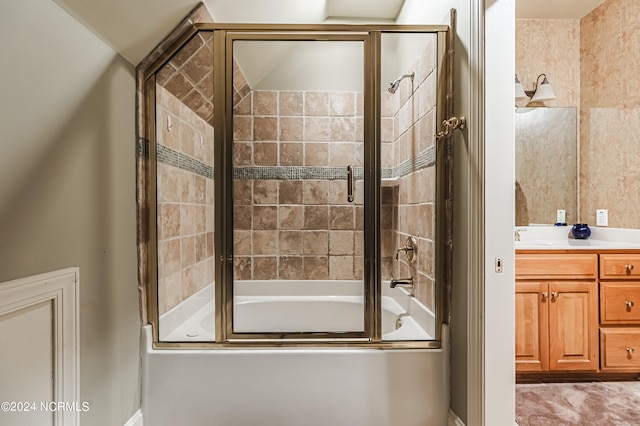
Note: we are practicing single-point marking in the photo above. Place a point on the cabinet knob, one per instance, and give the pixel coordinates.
(554, 295)
(630, 351)
(544, 295)
(629, 304)
(628, 267)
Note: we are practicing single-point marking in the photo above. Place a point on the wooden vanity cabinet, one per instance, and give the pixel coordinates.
(620, 312)
(532, 326)
(556, 312)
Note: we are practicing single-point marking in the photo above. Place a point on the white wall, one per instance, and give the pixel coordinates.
(482, 371)
(399, 52)
(67, 187)
(420, 12)
(499, 292)
(300, 65)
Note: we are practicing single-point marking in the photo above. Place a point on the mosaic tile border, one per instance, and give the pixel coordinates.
(424, 159)
(177, 159)
(294, 173)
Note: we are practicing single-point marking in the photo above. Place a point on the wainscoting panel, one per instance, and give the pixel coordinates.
(39, 372)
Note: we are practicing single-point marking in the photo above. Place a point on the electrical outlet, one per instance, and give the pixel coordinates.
(561, 216)
(602, 218)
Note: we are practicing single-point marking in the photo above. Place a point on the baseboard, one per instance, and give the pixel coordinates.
(454, 420)
(135, 420)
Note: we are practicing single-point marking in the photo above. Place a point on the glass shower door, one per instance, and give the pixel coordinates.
(184, 153)
(409, 152)
(298, 188)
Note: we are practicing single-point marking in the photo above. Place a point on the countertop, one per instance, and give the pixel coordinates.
(560, 238)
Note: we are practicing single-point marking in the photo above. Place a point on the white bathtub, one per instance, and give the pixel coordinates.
(298, 306)
(295, 387)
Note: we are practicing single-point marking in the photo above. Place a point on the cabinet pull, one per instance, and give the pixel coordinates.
(554, 295)
(629, 304)
(630, 351)
(544, 296)
(629, 267)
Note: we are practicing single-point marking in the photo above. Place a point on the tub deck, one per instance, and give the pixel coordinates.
(298, 306)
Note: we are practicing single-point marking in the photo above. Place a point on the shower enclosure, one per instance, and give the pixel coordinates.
(295, 189)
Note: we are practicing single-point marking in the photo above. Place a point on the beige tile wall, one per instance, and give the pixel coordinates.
(185, 204)
(298, 229)
(610, 113)
(189, 75)
(409, 208)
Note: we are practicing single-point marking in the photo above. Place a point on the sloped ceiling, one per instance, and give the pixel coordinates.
(133, 28)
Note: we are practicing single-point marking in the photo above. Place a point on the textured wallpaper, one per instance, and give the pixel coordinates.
(593, 64)
(552, 47)
(610, 113)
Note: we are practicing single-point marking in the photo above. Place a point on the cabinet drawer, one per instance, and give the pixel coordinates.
(620, 349)
(620, 302)
(619, 266)
(570, 266)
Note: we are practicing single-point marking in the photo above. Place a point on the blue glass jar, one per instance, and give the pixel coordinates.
(581, 231)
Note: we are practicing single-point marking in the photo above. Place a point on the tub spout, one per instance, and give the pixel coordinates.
(402, 282)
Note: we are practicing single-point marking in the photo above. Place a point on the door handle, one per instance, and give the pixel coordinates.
(350, 184)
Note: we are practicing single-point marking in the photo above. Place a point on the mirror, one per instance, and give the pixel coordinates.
(546, 165)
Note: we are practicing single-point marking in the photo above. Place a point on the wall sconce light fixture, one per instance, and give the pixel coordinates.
(541, 91)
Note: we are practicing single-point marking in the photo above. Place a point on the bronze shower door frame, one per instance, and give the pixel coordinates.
(370, 35)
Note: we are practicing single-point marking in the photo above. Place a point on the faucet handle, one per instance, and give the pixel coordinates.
(517, 233)
(409, 248)
(405, 249)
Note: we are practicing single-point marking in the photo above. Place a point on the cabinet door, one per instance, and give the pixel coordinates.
(573, 325)
(532, 326)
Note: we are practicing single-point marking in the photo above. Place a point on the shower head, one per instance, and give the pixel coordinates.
(396, 83)
(394, 86)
